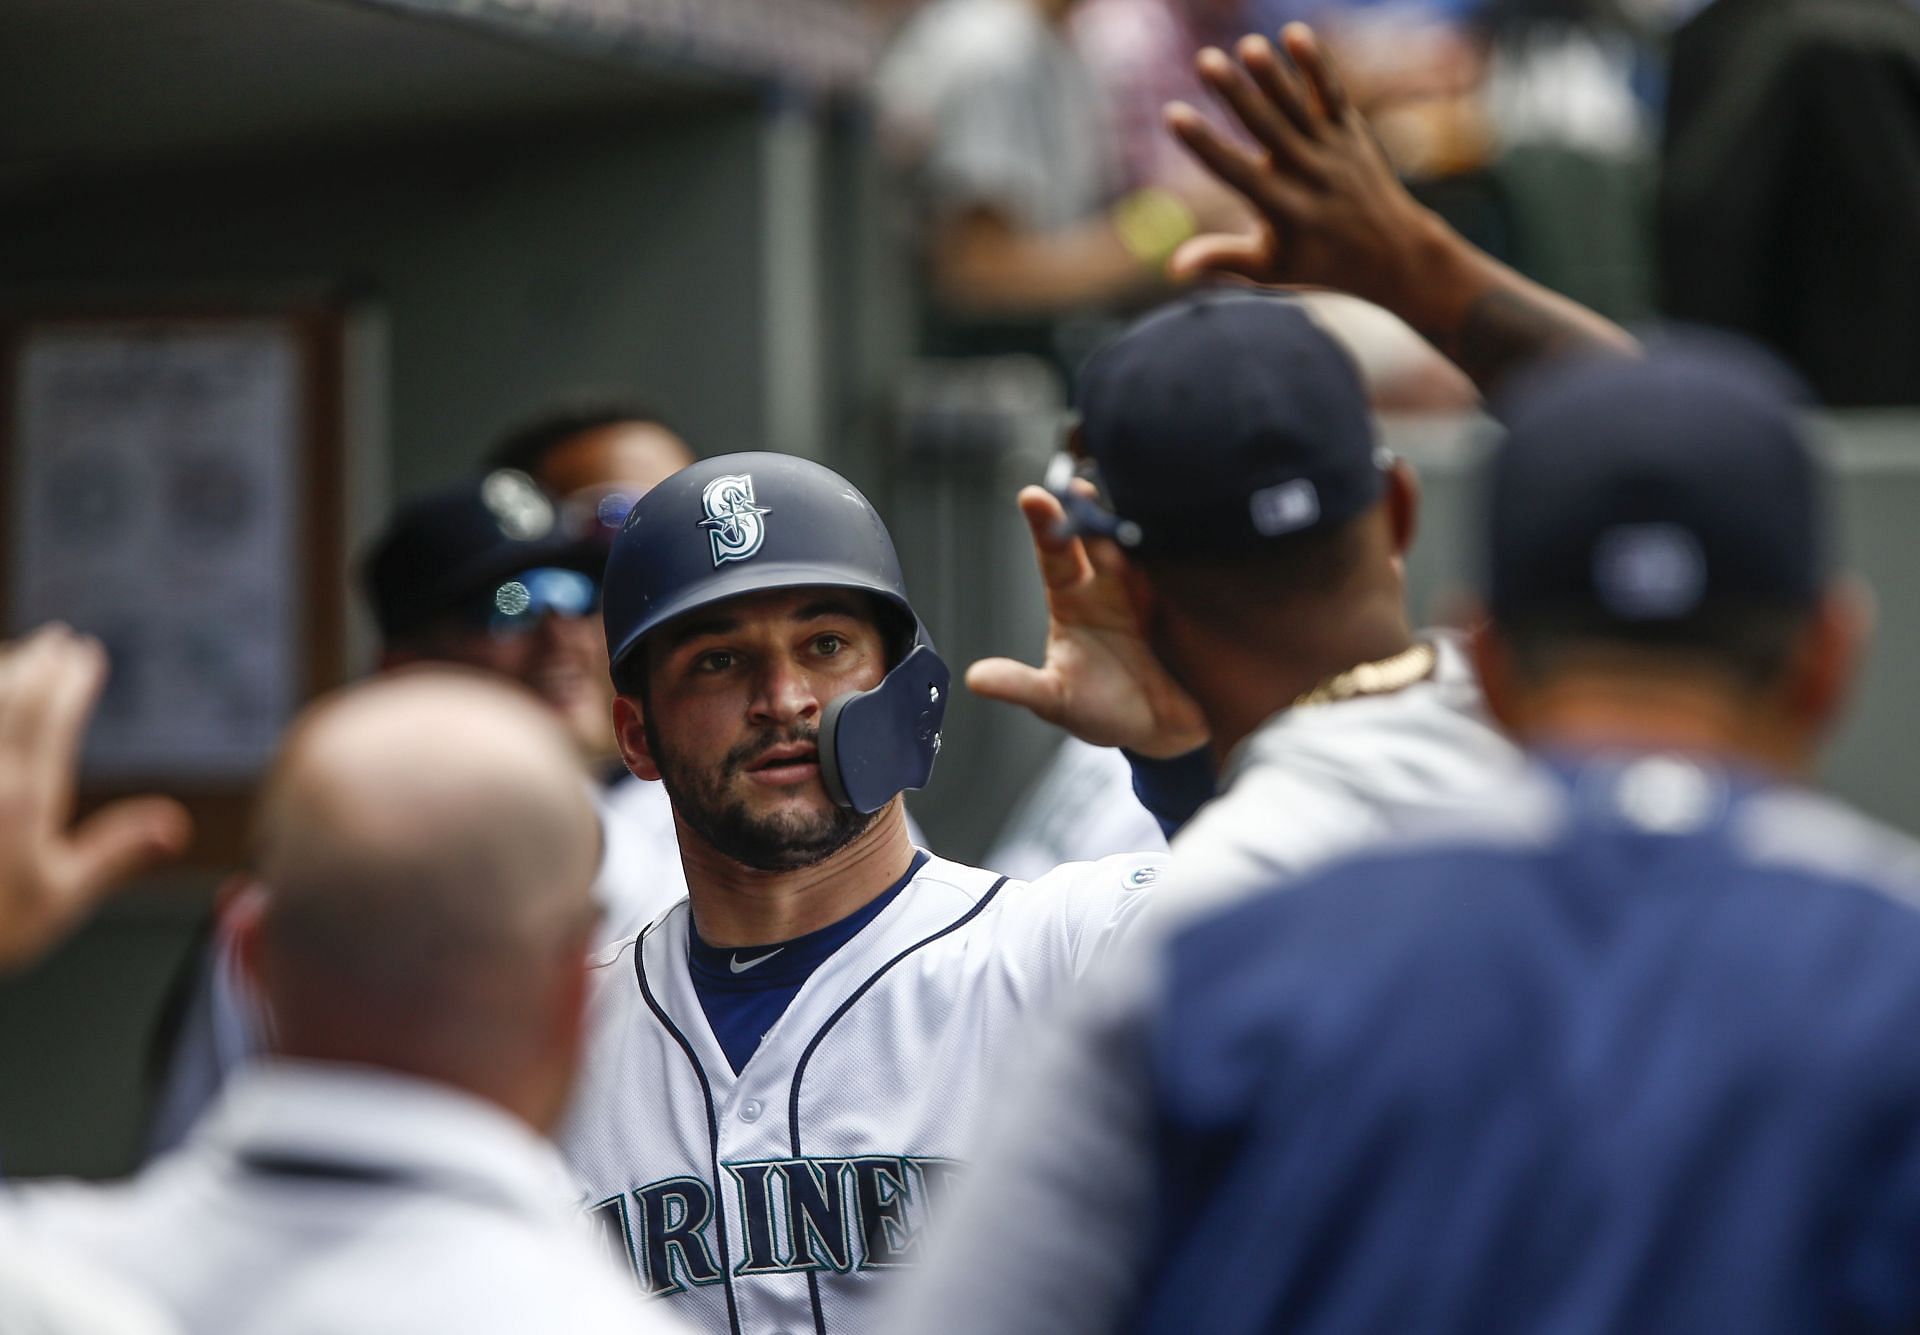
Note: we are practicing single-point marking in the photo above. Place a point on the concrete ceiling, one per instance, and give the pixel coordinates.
(87, 86)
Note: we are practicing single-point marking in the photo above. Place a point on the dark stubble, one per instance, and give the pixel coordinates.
(785, 842)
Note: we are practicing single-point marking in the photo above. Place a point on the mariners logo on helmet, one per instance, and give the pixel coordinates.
(733, 520)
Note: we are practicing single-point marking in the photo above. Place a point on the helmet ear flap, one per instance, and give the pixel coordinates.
(873, 744)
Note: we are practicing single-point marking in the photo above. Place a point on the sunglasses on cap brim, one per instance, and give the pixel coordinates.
(516, 605)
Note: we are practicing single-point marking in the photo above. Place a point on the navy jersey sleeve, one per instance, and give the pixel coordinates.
(1173, 791)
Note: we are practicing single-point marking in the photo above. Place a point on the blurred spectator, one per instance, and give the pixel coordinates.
(1790, 186)
(1140, 53)
(596, 459)
(1562, 73)
(420, 934)
(1017, 177)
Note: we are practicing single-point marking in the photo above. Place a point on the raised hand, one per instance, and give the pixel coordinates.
(1333, 214)
(1100, 680)
(50, 876)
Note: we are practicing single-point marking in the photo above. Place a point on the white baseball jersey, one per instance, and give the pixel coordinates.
(1326, 779)
(1082, 808)
(45, 1291)
(316, 1199)
(772, 1200)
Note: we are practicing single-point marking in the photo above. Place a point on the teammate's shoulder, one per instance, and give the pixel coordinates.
(1400, 850)
(1797, 830)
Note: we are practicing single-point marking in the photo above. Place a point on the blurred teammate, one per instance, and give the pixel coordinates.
(1081, 807)
(784, 1070)
(425, 854)
(484, 574)
(1630, 1050)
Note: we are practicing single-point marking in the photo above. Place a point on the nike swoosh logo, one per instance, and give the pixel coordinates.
(739, 965)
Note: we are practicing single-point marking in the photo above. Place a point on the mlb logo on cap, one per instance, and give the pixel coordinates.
(1287, 508)
(1655, 490)
(1645, 572)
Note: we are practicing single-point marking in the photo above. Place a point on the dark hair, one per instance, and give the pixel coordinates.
(526, 446)
(1752, 645)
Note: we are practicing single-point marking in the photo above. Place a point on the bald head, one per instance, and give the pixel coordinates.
(427, 850)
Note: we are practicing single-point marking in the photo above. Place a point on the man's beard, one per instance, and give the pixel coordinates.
(784, 842)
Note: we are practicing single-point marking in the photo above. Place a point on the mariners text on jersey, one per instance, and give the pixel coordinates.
(771, 1199)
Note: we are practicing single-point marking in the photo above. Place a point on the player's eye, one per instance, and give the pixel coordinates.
(714, 660)
(828, 645)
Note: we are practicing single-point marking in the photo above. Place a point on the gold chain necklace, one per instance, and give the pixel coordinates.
(1381, 677)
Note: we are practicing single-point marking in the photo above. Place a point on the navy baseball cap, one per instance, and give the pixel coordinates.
(1219, 423)
(450, 551)
(1653, 491)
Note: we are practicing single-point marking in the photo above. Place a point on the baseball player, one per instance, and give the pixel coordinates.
(785, 1070)
(421, 938)
(1630, 1050)
(1224, 546)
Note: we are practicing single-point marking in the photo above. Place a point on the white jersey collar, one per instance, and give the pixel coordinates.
(1452, 679)
(366, 1122)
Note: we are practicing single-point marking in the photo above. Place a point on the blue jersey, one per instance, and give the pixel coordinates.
(1640, 1055)
(1650, 1065)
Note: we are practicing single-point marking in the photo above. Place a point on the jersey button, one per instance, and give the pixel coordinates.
(750, 1110)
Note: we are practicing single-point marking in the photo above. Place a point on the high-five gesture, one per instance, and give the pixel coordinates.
(1333, 214)
(51, 876)
(1100, 681)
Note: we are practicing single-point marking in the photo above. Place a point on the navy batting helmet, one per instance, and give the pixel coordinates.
(750, 523)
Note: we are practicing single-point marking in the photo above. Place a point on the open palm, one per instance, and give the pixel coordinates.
(1100, 681)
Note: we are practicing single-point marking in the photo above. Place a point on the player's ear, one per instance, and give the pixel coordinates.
(630, 730)
(241, 905)
(1402, 500)
(1492, 662)
(1828, 660)
(1141, 599)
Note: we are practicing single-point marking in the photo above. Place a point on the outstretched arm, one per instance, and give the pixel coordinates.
(1333, 214)
(50, 876)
